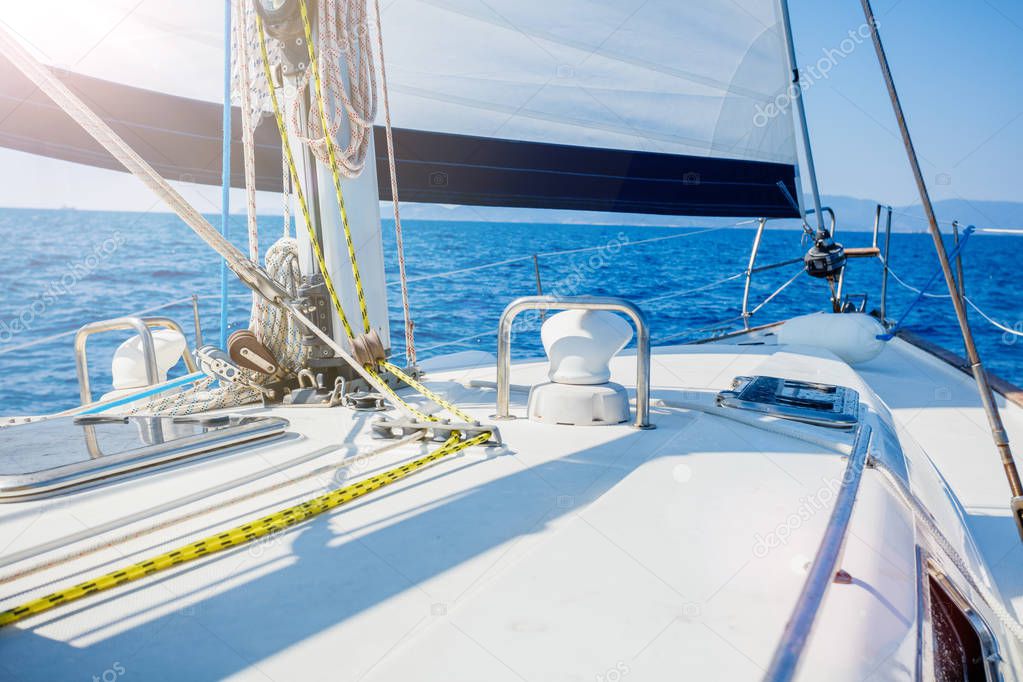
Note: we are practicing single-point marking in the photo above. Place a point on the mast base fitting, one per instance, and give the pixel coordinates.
(368, 349)
(826, 258)
(436, 431)
(365, 401)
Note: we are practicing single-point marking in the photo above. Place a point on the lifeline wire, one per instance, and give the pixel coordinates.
(225, 171)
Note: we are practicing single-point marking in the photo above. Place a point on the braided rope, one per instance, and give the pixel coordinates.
(276, 328)
(336, 169)
(243, 77)
(343, 54)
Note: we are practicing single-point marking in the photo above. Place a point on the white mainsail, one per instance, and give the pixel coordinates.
(659, 85)
(663, 76)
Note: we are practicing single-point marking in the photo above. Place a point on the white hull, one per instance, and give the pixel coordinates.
(576, 553)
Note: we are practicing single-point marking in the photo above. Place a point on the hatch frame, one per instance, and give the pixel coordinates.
(226, 432)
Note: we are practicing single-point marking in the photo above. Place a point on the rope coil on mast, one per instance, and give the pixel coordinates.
(259, 281)
(242, 81)
(250, 273)
(370, 359)
(343, 30)
(332, 158)
(370, 354)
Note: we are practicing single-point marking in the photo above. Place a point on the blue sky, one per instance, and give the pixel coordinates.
(958, 66)
(959, 69)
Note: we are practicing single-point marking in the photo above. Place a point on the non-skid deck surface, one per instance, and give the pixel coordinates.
(573, 554)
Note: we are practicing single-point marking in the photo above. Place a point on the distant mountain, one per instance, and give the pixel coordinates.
(853, 214)
(858, 214)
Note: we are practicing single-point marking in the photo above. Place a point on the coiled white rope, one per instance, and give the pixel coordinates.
(277, 329)
(244, 75)
(344, 53)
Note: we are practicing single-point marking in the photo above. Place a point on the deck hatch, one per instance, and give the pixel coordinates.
(804, 401)
(52, 456)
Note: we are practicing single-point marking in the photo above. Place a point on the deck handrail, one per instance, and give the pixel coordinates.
(788, 654)
(141, 326)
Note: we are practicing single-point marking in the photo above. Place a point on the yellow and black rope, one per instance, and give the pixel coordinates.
(290, 516)
(317, 250)
(295, 181)
(239, 535)
(332, 157)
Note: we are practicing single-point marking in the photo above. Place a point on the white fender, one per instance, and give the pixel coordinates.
(129, 367)
(850, 336)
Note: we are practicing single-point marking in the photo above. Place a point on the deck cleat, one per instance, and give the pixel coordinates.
(365, 401)
(436, 430)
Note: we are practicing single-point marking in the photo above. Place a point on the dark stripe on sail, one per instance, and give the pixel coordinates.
(180, 138)
(479, 171)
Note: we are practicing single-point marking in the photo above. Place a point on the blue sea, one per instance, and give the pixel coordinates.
(65, 268)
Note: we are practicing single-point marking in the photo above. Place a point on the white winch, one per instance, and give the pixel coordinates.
(580, 344)
(128, 367)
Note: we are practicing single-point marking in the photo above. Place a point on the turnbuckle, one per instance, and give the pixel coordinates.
(436, 431)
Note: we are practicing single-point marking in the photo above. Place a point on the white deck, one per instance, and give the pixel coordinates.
(575, 554)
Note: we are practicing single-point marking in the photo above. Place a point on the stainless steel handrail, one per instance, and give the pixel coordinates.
(752, 267)
(142, 328)
(546, 303)
(785, 662)
(884, 260)
(749, 271)
(831, 214)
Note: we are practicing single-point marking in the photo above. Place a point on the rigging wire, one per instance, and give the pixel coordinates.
(991, 320)
(777, 291)
(687, 292)
(410, 340)
(225, 189)
(565, 252)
